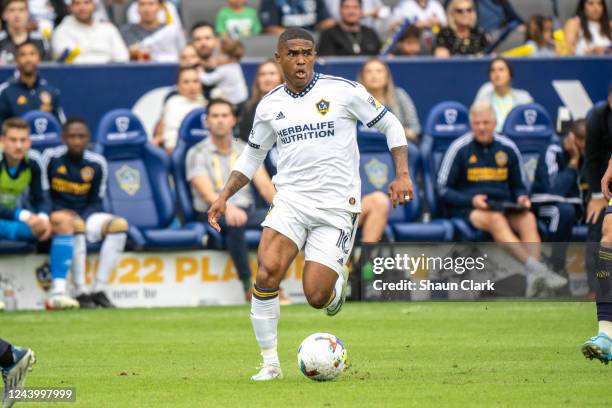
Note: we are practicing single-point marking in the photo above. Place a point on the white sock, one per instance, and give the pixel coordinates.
(111, 251)
(605, 327)
(79, 252)
(264, 316)
(58, 287)
(532, 264)
(337, 295)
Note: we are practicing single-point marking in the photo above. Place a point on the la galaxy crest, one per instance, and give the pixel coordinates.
(128, 179)
(322, 106)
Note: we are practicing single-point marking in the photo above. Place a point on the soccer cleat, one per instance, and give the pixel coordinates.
(85, 301)
(100, 299)
(61, 302)
(268, 373)
(543, 278)
(599, 347)
(14, 376)
(333, 310)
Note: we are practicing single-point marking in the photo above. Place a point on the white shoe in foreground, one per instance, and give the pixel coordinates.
(14, 377)
(333, 310)
(61, 302)
(541, 278)
(267, 373)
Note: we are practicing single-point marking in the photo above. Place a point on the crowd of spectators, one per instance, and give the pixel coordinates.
(84, 31)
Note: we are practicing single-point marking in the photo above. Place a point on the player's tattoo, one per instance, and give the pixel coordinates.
(400, 158)
(235, 182)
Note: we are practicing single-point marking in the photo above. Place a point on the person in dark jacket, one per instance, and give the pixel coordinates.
(559, 187)
(480, 176)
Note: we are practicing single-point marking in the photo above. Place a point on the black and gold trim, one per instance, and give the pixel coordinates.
(264, 293)
(377, 118)
(312, 83)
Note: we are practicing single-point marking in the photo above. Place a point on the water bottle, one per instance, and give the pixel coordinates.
(10, 298)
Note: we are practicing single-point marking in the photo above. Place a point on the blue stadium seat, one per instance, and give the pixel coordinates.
(45, 130)
(138, 185)
(530, 127)
(446, 122)
(377, 171)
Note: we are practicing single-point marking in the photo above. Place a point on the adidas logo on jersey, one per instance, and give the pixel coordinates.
(280, 116)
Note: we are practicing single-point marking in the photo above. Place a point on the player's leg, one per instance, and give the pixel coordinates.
(112, 231)
(327, 250)
(559, 219)
(61, 260)
(600, 346)
(275, 254)
(79, 255)
(15, 362)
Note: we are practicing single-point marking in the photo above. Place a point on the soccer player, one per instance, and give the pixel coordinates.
(15, 362)
(312, 119)
(600, 346)
(77, 180)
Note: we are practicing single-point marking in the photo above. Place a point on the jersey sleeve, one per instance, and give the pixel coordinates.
(261, 139)
(365, 107)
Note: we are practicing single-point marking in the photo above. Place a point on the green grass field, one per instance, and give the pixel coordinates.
(489, 354)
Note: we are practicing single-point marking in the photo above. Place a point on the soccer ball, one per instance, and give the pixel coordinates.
(321, 357)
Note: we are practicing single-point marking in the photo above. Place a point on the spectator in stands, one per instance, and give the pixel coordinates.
(188, 98)
(208, 166)
(28, 91)
(462, 36)
(597, 155)
(495, 15)
(479, 172)
(348, 36)
(499, 92)
(422, 13)
(77, 182)
(46, 15)
(539, 36)
(409, 43)
(375, 13)
(168, 14)
(589, 32)
(227, 79)
(189, 56)
(206, 44)
(86, 40)
(237, 20)
(267, 77)
(151, 39)
(15, 16)
(376, 77)
(556, 190)
(277, 15)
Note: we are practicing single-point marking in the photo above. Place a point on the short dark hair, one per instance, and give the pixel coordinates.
(25, 44)
(14, 123)
(233, 48)
(506, 62)
(294, 33)
(220, 101)
(180, 70)
(74, 120)
(5, 3)
(344, 1)
(411, 32)
(201, 24)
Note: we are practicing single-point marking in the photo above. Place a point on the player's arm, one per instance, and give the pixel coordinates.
(261, 139)
(367, 109)
(606, 180)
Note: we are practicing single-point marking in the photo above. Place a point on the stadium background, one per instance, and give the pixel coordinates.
(207, 277)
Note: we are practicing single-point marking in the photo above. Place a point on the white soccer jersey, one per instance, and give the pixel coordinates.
(315, 133)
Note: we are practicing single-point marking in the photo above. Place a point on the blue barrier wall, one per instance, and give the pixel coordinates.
(90, 91)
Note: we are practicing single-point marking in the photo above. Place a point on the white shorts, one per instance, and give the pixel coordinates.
(327, 235)
(95, 224)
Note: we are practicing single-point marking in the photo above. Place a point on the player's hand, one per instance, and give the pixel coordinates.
(38, 225)
(524, 201)
(235, 216)
(479, 202)
(605, 183)
(215, 212)
(594, 209)
(400, 190)
(47, 232)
